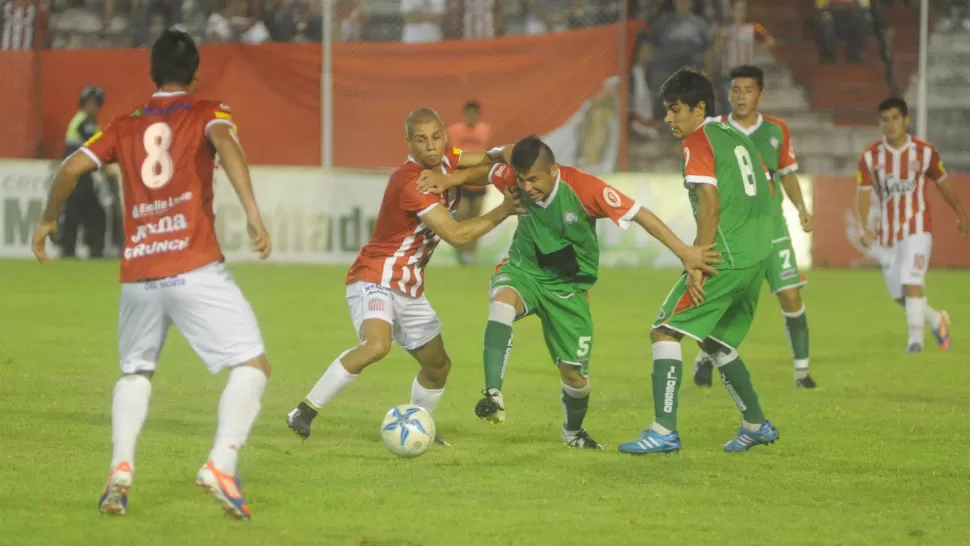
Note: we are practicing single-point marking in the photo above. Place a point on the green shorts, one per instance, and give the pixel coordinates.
(567, 324)
(728, 309)
(783, 271)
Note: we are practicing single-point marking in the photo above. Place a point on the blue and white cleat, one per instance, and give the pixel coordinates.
(114, 498)
(225, 488)
(747, 439)
(943, 333)
(651, 441)
(914, 348)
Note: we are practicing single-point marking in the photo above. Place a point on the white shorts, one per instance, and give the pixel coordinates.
(413, 322)
(906, 263)
(204, 304)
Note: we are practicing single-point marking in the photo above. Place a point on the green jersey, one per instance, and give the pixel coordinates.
(719, 154)
(771, 137)
(555, 240)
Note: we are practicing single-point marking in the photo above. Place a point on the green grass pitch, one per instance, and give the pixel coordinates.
(878, 455)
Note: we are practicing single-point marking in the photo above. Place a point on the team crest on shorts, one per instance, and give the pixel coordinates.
(570, 217)
(661, 315)
(375, 305)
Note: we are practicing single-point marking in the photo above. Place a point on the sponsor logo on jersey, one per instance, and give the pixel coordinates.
(612, 197)
(158, 247)
(165, 110)
(570, 217)
(774, 142)
(164, 225)
(896, 186)
(159, 205)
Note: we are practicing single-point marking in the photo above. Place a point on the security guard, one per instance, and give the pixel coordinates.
(83, 207)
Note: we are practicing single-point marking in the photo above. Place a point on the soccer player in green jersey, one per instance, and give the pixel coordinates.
(553, 261)
(771, 137)
(732, 198)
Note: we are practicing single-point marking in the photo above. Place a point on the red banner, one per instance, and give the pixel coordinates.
(835, 196)
(526, 84)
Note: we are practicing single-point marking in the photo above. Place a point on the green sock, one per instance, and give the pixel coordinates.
(737, 380)
(498, 348)
(666, 384)
(575, 402)
(797, 326)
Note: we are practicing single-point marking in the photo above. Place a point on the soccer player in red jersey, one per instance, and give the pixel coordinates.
(172, 270)
(385, 285)
(897, 169)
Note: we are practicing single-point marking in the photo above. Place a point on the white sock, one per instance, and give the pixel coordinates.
(238, 409)
(915, 309)
(931, 316)
(129, 407)
(801, 368)
(334, 380)
(425, 398)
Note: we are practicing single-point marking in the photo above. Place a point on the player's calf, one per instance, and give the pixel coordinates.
(703, 370)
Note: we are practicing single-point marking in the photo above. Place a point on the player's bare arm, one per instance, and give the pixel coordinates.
(696, 259)
(864, 194)
(499, 154)
(708, 213)
(437, 182)
(461, 233)
(233, 160)
(953, 199)
(64, 182)
(794, 192)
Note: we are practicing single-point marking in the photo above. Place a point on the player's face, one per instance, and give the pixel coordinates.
(893, 124)
(538, 182)
(427, 143)
(682, 119)
(683, 7)
(745, 96)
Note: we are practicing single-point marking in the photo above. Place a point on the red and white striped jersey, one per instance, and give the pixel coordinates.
(898, 178)
(401, 245)
(739, 42)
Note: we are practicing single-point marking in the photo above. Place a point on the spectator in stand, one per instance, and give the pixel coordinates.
(19, 21)
(735, 46)
(422, 20)
(954, 14)
(349, 20)
(150, 17)
(673, 41)
(474, 135)
(478, 19)
(842, 20)
(538, 17)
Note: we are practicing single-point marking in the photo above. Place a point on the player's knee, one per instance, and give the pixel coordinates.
(790, 300)
(913, 290)
(147, 374)
(437, 369)
(375, 348)
(509, 297)
(260, 363)
(571, 376)
(663, 334)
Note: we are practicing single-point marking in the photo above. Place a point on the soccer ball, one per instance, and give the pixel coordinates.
(408, 430)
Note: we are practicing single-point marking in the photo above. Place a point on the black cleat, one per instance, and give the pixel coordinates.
(492, 407)
(806, 382)
(439, 441)
(300, 419)
(581, 439)
(703, 371)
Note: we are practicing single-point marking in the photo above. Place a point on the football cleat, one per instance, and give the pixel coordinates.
(703, 370)
(806, 382)
(747, 439)
(943, 333)
(914, 348)
(651, 441)
(492, 407)
(300, 419)
(226, 489)
(114, 498)
(580, 439)
(438, 440)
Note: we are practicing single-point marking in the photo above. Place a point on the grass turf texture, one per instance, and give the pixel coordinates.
(876, 456)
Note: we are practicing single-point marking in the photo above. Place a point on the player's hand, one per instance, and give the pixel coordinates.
(510, 205)
(435, 182)
(262, 244)
(867, 237)
(806, 218)
(701, 258)
(695, 286)
(963, 224)
(41, 234)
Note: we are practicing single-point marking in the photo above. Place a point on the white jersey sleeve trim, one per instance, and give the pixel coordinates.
(789, 169)
(938, 180)
(695, 179)
(217, 122)
(92, 155)
(427, 209)
(626, 219)
(863, 188)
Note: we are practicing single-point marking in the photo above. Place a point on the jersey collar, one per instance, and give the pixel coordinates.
(167, 94)
(552, 195)
(444, 163)
(746, 130)
(903, 148)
